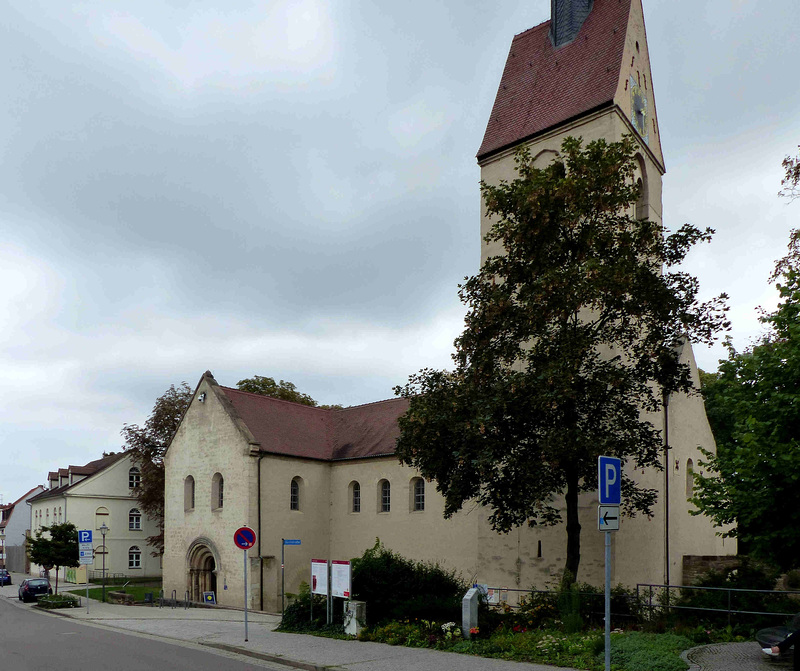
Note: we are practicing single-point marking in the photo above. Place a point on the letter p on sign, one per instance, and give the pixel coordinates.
(609, 480)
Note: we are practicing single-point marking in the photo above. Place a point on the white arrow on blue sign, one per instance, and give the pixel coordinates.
(609, 480)
(85, 536)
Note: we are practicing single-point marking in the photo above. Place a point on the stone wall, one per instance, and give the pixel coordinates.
(696, 565)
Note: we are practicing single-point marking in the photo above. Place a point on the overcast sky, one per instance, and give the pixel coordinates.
(290, 189)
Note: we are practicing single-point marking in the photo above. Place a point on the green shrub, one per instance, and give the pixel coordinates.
(397, 588)
(298, 614)
(53, 601)
(793, 579)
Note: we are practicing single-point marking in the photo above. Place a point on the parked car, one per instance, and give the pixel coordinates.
(31, 589)
(5, 577)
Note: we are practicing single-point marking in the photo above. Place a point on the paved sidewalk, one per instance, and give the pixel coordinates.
(224, 629)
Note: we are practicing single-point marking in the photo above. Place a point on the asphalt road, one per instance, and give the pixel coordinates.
(31, 640)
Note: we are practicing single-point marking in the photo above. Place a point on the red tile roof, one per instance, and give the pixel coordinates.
(88, 469)
(542, 87)
(293, 429)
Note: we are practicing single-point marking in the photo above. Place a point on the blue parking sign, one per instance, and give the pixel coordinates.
(85, 536)
(609, 480)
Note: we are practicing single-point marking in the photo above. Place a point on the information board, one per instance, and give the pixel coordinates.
(340, 579)
(319, 576)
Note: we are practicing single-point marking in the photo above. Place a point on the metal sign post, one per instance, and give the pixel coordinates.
(609, 483)
(245, 538)
(86, 556)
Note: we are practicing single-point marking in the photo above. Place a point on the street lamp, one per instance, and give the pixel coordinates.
(103, 531)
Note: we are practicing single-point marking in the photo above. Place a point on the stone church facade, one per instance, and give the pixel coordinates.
(330, 478)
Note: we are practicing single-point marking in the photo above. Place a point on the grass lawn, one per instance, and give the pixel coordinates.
(137, 589)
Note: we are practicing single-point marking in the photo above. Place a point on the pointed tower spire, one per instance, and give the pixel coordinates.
(566, 19)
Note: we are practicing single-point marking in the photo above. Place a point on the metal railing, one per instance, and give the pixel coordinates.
(665, 602)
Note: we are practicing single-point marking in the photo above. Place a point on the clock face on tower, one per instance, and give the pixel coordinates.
(638, 109)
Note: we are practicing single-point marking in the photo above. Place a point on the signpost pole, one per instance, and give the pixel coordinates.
(244, 538)
(283, 577)
(608, 600)
(245, 594)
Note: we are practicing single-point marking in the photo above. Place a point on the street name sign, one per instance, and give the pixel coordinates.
(608, 518)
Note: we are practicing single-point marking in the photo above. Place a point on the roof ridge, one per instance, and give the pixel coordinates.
(273, 398)
(363, 405)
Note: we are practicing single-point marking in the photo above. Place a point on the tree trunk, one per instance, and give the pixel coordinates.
(573, 530)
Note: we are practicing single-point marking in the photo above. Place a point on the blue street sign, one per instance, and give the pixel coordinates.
(291, 541)
(609, 480)
(85, 536)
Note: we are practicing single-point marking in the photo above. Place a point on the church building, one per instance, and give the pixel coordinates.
(329, 478)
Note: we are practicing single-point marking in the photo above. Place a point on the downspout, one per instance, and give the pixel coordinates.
(665, 399)
(260, 557)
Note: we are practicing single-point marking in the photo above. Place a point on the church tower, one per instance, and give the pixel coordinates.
(584, 73)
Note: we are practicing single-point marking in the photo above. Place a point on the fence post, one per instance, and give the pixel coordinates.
(729, 608)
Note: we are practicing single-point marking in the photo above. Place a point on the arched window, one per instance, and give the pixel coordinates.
(47, 517)
(188, 493)
(100, 558)
(134, 478)
(417, 494)
(384, 496)
(101, 517)
(59, 514)
(294, 494)
(689, 478)
(134, 557)
(355, 497)
(134, 519)
(217, 491)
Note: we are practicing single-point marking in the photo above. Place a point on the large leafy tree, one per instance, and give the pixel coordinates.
(572, 331)
(54, 546)
(752, 486)
(147, 445)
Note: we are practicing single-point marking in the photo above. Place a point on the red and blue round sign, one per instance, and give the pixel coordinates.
(244, 538)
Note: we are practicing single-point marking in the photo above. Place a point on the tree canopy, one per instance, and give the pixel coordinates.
(147, 445)
(54, 546)
(752, 485)
(287, 391)
(571, 332)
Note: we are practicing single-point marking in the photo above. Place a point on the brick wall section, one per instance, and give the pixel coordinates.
(696, 565)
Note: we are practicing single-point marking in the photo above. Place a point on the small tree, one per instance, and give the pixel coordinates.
(57, 550)
(791, 180)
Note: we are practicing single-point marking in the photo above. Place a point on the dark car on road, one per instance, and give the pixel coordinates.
(5, 577)
(31, 589)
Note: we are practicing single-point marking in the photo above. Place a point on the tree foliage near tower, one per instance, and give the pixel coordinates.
(570, 334)
(56, 549)
(753, 401)
(147, 445)
(791, 180)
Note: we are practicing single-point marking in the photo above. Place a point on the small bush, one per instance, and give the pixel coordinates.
(53, 601)
(298, 614)
(793, 579)
(397, 588)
